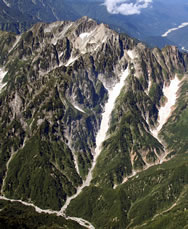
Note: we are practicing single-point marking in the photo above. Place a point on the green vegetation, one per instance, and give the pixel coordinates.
(15, 215)
(175, 132)
(50, 114)
(128, 141)
(7, 40)
(38, 168)
(140, 200)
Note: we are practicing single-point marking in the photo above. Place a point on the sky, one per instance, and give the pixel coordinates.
(126, 7)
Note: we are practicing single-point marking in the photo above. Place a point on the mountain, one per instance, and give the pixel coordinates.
(148, 26)
(91, 130)
(17, 16)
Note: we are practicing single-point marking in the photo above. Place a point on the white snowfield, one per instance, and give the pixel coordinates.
(2, 75)
(84, 35)
(90, 41)
(170, 92)
(184, 24)
(113, 94)
(93, 39)
(101, 135)
(131, 54)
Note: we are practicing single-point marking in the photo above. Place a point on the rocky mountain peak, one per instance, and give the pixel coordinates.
(56, 81)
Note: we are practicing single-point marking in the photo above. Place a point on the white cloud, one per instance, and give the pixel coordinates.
(126, 7)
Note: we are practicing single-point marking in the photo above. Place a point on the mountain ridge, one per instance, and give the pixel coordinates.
(57, 82)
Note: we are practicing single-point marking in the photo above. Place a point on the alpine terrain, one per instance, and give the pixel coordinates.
(93, 130)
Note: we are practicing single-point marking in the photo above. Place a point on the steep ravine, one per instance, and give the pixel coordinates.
(170, 93)
(101, 135)
(113, 94)
(68, 127)
(80, 221)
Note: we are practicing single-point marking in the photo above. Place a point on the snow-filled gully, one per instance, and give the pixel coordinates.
(101, 136)
(170, 92)
(2, 75)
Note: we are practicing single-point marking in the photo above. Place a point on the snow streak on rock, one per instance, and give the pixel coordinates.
(15, 43)
(2, 75)
(101, 136)
(170, 92)
(78, 108)
(7, 4)
(57, 36)
(131, 54)
(70, 61)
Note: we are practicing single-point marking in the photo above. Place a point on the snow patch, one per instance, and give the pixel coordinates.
(71, 60)
(131, 54)
(78, 108)
(2, 75)
(34, 2)
(164, 113)
(90, 41)
(15, 43)
(113, 94)
(101, 136)
(174, 29)
(149, 87)
(170, 92)
(57, 36)
(76, 163)
(6, 3)
(84, 35)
